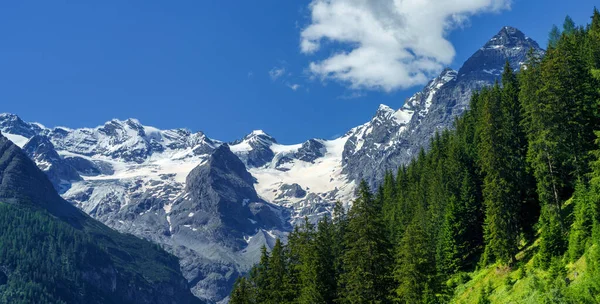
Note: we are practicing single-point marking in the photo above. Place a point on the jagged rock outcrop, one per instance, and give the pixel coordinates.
(59, 171)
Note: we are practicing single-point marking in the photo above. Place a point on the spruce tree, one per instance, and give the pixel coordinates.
(569, 26)
(260, 278)
(367, 258)
(242, 292)
(460, 236)
(500, 188)
(593, 44)
(585, 216)
(553, 36)
(277, 275)
(415, 261)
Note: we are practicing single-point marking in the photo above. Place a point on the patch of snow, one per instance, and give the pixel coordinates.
(18, 140)
(403, 116)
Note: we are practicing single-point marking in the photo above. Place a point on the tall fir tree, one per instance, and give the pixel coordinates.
(553, 36)
(500, 189)
(367, 258)
(260, 278)
(242, 292)
(277, 276)
(415, 261)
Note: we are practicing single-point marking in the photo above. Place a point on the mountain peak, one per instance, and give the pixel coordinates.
(13, 124)
(384, 109)
(509, 44)
(22, 182)
(510, 37)
(258, 137)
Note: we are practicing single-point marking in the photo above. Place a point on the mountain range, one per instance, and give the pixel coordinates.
(214, 204)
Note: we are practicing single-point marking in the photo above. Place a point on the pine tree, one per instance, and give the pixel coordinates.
(560, 105)
(415, 264)
(260, 278)
(593, 44)
(553, 36)
(301, 256)
(242, 292)
(340, 223)
(460, 237)
(569, 26)
(498, 160)
(390, 204)
(581, 230)
(325, 281)
(366, 260)
(277, 275)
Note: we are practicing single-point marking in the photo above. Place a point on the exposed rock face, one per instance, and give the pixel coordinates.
(393, 138)
(291, 191)
(59, 171)
(23, 183)
(10, 123)
(254, 149)
(487, 63)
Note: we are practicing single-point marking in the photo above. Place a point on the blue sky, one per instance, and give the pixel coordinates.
(228, 67)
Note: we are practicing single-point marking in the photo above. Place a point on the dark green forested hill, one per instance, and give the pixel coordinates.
(50, 252)
(505, 208)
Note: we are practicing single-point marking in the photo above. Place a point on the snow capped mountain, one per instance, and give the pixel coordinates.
(254, 149)
(128, 141)
(214, 204)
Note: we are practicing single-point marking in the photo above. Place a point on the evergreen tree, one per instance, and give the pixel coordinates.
(340, 222)
(277, 275)
(553, 36)
(569, 26)
(390, 204)
(415, 265)
(242, 292)
(593, 45)
(460, 239)
(366, 260)
(499, 158)
(325, 284)
(301, 256)
(585, 216)
(260, 278)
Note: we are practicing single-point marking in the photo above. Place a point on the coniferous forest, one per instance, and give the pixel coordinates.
(504, 208)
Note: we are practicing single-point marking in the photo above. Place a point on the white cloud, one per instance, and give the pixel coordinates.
(293, 86)
(386, 44)
(276, 73)
(352, 95)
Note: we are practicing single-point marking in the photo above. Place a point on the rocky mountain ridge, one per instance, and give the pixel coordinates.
(215, 204)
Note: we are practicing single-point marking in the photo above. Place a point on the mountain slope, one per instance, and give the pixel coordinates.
(51, 252)
(213, 205)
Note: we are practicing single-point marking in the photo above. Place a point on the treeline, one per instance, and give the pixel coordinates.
(522, 164)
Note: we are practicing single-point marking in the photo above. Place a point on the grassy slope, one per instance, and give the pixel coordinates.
(525, 283)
